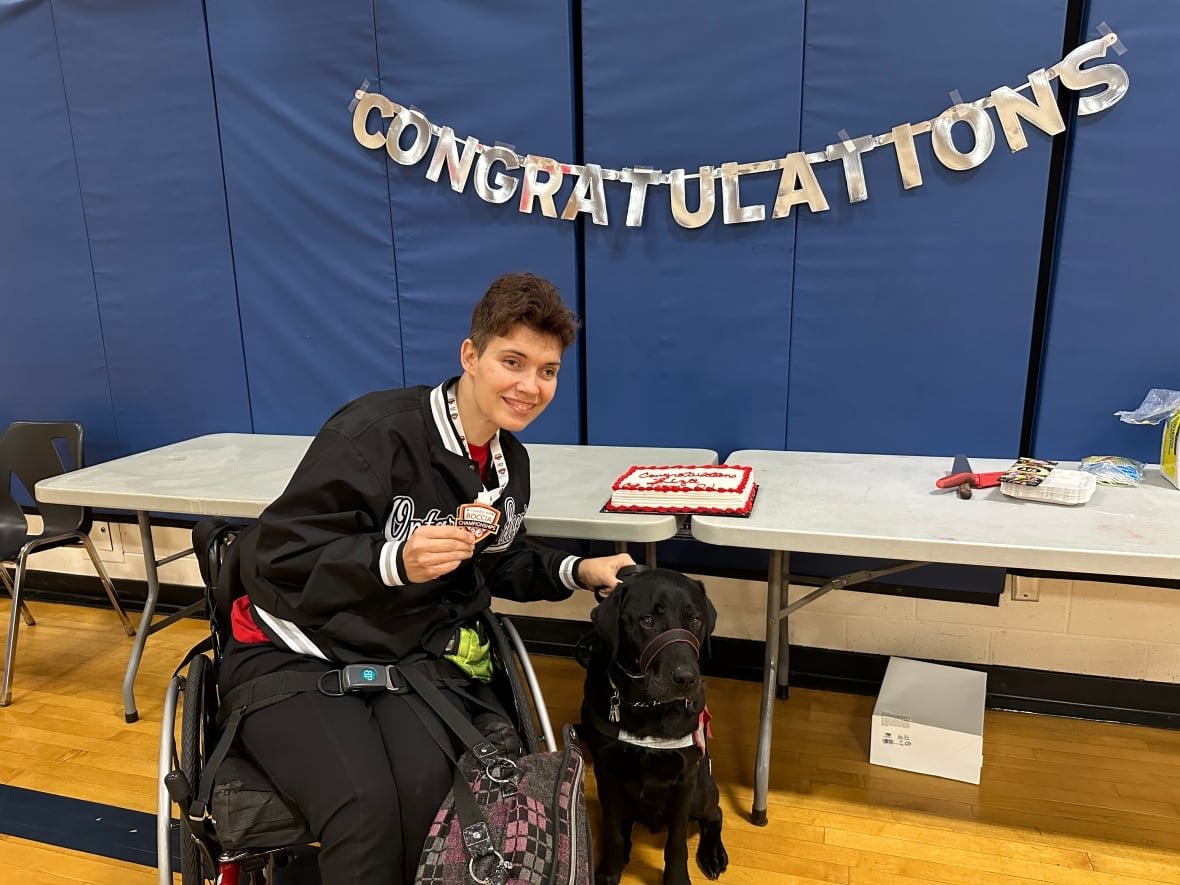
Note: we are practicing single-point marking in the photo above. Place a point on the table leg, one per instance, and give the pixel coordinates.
(145, 620)
(782, 686)
(770, 667)
(649, 551)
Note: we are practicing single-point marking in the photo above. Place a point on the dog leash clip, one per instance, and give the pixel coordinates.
(613, 716)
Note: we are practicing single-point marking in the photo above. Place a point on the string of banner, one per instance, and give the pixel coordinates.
(408, 136)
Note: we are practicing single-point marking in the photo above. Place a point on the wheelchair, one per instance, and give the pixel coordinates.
(270, 834)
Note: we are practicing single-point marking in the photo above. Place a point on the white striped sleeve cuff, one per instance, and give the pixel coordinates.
(391, 572)
(290, 634)
(566, 572)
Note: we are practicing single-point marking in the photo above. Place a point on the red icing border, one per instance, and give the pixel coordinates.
(703, 511)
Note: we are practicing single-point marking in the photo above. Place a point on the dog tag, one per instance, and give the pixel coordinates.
(479, 519)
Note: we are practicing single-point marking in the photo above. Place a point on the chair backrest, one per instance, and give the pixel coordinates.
(29, 450)
(229, 584)
(217, 545)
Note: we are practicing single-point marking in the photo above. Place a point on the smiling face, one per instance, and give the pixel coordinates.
(509, 384)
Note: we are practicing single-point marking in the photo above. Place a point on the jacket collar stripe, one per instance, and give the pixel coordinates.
(442, 421)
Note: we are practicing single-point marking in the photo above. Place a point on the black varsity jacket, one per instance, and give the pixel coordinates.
(324, 570)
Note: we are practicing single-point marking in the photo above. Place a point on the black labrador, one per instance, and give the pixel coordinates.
(645, 725)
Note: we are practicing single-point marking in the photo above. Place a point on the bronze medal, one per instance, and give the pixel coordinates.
(479, 519)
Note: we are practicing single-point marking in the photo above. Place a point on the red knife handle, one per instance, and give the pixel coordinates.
(976, 480)
(987, 480)
(955, 479)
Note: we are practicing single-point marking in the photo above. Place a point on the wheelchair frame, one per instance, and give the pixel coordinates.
(257, 865)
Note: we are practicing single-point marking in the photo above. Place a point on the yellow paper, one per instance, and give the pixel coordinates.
(1169, 463)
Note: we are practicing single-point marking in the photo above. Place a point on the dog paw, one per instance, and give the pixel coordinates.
(676, 878)
(712, 858)
(601, 878)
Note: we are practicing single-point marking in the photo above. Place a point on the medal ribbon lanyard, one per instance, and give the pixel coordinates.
(486, 496)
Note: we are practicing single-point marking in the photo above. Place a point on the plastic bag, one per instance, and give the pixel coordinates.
(1157, 406)
(1112, 470)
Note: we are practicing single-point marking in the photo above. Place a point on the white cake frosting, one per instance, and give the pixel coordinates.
(714, 488)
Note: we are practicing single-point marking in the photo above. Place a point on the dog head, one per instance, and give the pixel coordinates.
(652, 628)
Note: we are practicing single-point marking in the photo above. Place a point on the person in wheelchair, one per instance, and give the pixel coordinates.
(402, 521)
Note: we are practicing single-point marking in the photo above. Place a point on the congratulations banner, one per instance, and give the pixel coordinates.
(409, 136)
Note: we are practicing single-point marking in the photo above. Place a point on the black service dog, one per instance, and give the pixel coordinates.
(645, 725)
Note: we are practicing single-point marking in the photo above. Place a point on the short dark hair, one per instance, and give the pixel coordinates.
(522, 299)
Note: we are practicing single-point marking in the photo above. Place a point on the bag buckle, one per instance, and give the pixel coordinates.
(504, 771)
(478, 842)
(498, 875)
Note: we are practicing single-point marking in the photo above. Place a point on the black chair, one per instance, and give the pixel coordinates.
(29, 450)
(276, 836)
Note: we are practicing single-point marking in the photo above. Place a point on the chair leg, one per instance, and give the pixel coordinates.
(13, 626)
(24, 609)
(107, 585)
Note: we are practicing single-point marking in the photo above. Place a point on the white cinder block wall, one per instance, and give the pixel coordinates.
(1073, 627)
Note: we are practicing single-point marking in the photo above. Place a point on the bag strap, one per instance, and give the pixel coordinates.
(485, 864)
(270, 688)
(476, 835)
(481, 748)
(201, 647)
(433, 727)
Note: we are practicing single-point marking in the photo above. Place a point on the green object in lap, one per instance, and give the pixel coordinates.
(473, 656)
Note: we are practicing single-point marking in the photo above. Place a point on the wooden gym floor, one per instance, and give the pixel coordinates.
(1062, 801)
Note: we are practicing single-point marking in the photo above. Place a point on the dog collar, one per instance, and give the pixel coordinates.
(615, 704)
(616, 701)
(609, 727)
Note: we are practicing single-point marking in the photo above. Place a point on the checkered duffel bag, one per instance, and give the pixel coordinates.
(509, 819)
(530, 828)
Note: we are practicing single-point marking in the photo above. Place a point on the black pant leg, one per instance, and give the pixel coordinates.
(362, 768)
(423, 772)
(328, 756)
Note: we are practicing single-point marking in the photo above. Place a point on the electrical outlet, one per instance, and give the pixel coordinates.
(107, 542)
(1024, 591)
(100, 536)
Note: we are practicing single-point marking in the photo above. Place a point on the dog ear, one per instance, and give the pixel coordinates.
(710, 615)
(710, 611)
(605, 618)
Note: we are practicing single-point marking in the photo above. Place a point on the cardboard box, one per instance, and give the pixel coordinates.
(929, 719)
(1169, 456)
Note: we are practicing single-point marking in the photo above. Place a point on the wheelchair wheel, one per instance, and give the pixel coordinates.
(197, 734)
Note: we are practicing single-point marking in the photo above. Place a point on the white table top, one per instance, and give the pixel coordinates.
(571, 483)
(239, 474)
(886, 506)
(223, 474)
